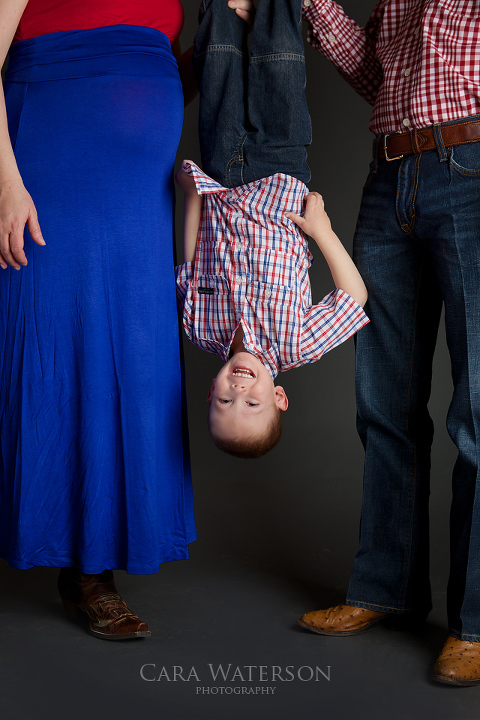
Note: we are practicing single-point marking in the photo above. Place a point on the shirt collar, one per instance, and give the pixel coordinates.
(203, 182)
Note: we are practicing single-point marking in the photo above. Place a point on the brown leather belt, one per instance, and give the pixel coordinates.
(393, 146)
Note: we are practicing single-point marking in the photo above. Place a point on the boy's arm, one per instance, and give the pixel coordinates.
(351, 48)
(192, 212)
(316, 223)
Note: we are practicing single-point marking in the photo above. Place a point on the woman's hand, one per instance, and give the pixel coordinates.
(244, 9)
(16, 211)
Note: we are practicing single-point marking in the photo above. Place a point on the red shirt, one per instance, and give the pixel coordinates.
(415, 61)
(48, 16)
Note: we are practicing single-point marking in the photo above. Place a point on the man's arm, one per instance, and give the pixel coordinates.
(348, 46)
(316, 223)
(192, 211)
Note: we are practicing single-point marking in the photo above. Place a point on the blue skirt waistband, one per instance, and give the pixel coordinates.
(112, 50)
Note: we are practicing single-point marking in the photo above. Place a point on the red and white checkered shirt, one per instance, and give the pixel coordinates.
(251, 267)
(416, 61)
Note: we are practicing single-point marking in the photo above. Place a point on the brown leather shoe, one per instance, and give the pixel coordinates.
(96, 596)
(341, 620)
(458, 663)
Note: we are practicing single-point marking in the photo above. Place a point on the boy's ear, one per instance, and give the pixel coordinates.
(210, 392)
(281, 398)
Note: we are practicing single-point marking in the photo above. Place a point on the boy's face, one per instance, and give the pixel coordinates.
(242, 398)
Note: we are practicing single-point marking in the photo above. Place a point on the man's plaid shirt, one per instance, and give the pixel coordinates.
(251, 267)
(416, 61)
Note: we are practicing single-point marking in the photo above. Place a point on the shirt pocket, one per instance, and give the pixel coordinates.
(214, 316)
(275, 316)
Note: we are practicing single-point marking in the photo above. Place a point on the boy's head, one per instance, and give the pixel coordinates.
(244, 417)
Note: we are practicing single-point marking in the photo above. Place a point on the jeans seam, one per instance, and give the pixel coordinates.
(412, 504)
(408, 227)
(220, 48)
(366, 602)
(272, 57)
(458, 632)
(463, 171)
(239, 157)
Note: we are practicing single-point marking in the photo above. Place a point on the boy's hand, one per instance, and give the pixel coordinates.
(244, 9)
(186, 181)
(315, 221)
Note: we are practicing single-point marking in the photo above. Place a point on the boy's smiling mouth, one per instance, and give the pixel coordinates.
(242, 372)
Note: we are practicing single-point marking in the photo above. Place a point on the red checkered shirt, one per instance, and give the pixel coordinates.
(416, 61)
(251, 267)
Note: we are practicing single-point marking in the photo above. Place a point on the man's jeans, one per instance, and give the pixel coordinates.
(417, 244)
(254, 119)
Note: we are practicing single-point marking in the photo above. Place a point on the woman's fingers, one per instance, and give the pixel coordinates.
(34, 228)
(7, 253)
(17, 243)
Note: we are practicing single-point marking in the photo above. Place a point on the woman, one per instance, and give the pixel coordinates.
(94, 470)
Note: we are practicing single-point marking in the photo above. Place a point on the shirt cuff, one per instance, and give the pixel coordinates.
(356, 314)
(313, 9)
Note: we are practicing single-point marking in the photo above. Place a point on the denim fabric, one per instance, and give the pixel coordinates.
(254, 120)
(417, 245)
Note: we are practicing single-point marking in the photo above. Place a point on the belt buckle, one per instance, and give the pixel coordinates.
(389, 159)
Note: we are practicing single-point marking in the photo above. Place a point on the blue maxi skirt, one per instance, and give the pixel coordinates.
(94, 468)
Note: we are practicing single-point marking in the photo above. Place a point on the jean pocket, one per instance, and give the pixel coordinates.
(465, 159)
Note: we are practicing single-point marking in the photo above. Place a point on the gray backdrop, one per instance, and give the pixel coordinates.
(304, 496)
(276, 536)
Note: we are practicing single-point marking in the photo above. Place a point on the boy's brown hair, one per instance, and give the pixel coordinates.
(252, 447)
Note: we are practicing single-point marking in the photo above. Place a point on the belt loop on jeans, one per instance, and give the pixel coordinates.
(437, 134)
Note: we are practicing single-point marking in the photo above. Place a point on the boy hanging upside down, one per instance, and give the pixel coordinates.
(244, 285)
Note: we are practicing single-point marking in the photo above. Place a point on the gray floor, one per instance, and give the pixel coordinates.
(234, 610)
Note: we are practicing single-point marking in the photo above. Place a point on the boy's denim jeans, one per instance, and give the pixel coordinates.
(254, 120)
(417, 244)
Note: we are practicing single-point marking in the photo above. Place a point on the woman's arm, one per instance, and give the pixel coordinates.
(244, 9)
(16, 205)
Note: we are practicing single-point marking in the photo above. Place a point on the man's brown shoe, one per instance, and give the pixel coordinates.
(95, 598)
(458, 663)
(341, 620)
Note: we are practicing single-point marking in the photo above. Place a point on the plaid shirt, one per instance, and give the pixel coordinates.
(251, 266)
(416, 61)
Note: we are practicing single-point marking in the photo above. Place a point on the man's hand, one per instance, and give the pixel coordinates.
(244, 9)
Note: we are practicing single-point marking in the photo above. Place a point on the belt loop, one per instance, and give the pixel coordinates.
(437, 134)
(376, 146)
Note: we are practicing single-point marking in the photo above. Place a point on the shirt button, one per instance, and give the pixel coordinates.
(307, 3)
(332, 39)
(407, 72)
(406, 122)
(417, 30)
(268, 293)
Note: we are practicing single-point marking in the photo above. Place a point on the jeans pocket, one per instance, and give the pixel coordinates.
(465, 159)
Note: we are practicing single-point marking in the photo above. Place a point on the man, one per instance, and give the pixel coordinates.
(417, 245)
